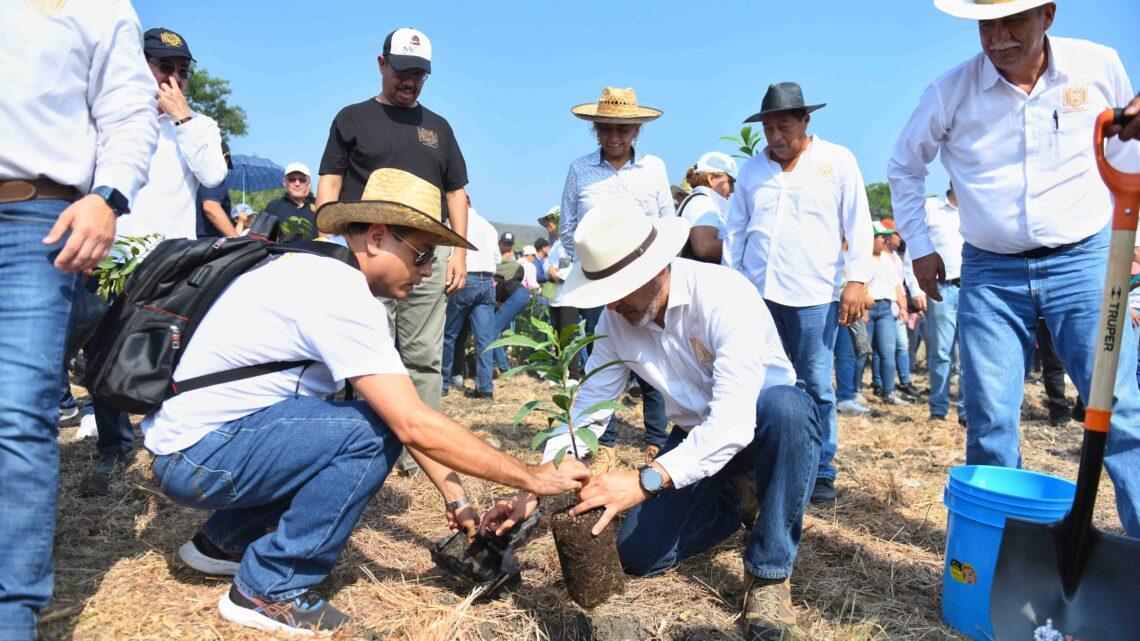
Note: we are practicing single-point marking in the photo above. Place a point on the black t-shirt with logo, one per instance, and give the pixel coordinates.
(369, 135)
(284, 209)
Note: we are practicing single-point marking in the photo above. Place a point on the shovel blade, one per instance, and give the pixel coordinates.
(1029, 602)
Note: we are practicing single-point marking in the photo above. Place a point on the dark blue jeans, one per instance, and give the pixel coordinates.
(660, 532)
(35, 305)
(504, 316)
(653, 417)
(808, 335)
(881, 328)
(306, 466)
(477, 300)
(116, 436)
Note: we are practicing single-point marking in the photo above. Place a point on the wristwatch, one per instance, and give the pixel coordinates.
(456, 504)
(115, 199)
(651, 480)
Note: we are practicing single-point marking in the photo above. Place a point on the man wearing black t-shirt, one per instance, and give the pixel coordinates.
(298, 201)
(395, 130)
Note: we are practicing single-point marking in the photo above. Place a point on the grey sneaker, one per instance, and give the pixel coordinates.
(768, 613)
(851, 407)
(895, 399)
(306, 614)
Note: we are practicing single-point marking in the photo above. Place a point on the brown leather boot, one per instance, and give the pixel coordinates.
(603, 461)
(651, 452)
(768, 613)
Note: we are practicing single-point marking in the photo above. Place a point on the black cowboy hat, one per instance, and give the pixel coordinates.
(783, 96)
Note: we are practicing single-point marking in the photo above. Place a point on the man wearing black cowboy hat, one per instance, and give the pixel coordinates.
(801, 187)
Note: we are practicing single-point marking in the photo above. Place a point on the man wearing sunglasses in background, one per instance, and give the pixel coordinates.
(188, 155)
(393, 130)
(298, 201)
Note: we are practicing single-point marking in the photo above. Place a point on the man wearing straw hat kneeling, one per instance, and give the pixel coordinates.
(747, 438)
(273, 452)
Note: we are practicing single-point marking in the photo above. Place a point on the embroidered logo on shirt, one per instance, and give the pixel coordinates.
(429, 138)
(47, 7)
(826, 170)
(170, 39)
(1076, 99)
(702, 353)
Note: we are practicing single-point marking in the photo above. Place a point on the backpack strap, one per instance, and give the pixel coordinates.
(231, 375)
(681, 207)
(319, 248)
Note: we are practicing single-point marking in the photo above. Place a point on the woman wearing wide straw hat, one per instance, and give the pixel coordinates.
(713, 179)
(614, 172)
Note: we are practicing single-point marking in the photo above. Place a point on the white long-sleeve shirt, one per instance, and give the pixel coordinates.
(942, 225)
(481, 233)
(77, 104)
(591, 181)
(1022, 165)
(187, 155)
(719, 348)
(785, 230)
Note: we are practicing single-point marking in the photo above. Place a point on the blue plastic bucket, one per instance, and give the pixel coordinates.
(979, 498)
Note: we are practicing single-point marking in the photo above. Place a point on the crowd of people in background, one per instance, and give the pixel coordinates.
(746, 304)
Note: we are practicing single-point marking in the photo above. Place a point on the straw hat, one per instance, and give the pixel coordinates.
(986, 9)
(619, 249)
(616, 106)
(395, 197)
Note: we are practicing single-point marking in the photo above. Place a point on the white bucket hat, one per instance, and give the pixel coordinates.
(620, 249)
(715, 162)
(986, 9)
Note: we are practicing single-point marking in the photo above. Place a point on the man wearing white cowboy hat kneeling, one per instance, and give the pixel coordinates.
(747, 437)
(286, 470)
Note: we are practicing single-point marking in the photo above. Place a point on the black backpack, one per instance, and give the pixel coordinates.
(137, 345)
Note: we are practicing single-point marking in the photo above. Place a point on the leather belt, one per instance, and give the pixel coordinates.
(1042, 252)
(957, 282)
(14, 191)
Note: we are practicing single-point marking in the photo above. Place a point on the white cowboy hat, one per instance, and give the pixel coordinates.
(620, 249)
(986, 9)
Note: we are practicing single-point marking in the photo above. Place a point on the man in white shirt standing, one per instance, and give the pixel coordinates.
(794, 204)
(78, 113)
(941, 315)
(188, 155)
(1013, 126)
(475, 300)
(747, 438)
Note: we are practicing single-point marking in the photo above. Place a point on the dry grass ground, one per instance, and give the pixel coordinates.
(869, 567)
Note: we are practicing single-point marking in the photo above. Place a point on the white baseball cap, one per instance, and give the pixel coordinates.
(715, 162)
(407, 48)
(529, 251)
(297, 167)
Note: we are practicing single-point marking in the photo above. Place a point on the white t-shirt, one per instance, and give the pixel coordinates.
(296, 307)
(705, 208)
(884, 277)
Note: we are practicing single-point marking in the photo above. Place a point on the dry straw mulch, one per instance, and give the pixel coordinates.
(870, 567)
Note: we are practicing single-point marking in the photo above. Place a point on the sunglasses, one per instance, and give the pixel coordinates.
(296, 179)
(169, 68)
(422, 257)
(415, 76)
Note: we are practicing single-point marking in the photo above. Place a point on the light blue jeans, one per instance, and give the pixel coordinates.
(941, 334)
(35, 305)
(881, 329)
(1001, 298)
(475, 300)
(306, 466)
(902, 351)
(808, 335)
(680, 522)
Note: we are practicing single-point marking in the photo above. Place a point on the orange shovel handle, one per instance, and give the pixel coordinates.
(1114, 314)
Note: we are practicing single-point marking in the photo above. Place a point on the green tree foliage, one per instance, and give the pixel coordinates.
(879, 197)
(209, 95)
(256, 199)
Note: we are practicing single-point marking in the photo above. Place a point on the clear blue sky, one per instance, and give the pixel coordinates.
(506, 74)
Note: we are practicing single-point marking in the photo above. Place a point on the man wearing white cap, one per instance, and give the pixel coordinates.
(1013, 126)
(713, 179)
(298, 201)
(795, 204)
(747, 438)
(393, 129)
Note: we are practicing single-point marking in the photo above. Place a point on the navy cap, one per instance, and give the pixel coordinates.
(507, 237)
(164, 43)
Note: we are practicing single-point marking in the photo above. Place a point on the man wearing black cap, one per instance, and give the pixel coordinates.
(393, 130)
(801, 187)
(188, 155)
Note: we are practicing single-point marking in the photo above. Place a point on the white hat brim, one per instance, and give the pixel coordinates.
(584, 293)
(973, 11)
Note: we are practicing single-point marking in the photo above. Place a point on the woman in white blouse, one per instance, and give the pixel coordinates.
(616, 171)
(713, 180)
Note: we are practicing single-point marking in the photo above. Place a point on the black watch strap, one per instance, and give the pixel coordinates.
(114, 199)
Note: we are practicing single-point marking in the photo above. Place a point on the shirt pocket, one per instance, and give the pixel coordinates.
(1072, 144)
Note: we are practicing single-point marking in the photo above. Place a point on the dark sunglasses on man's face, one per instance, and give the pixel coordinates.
(422, 257)
(169, 68)
(415, 76)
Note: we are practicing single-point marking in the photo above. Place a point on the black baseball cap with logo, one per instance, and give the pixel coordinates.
(507, 237)
(407, 48)
(161, 42)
